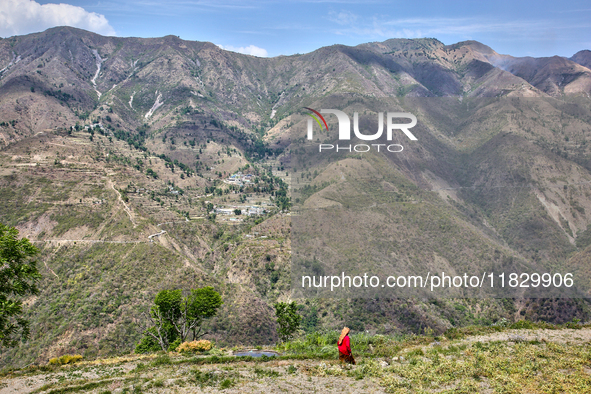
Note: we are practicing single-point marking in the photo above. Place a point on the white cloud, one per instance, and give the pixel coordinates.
(343, 17)
(249, 50)
(27, 16)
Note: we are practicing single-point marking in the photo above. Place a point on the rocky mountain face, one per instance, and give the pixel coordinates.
(116, 151)
(64, 73)
(582, 57)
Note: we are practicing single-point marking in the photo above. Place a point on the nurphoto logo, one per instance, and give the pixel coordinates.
(345, 130)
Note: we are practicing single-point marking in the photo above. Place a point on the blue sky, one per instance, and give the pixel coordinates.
(272, 28)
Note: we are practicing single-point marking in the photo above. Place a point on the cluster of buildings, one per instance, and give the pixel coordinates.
(248, 211)
(239, 179)
(92, 126)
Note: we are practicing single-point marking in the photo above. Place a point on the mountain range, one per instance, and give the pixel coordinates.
(117, 156)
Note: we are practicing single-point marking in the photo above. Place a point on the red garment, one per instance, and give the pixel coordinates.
(345, 346)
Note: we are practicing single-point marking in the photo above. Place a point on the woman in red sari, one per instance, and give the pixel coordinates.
(344, 344)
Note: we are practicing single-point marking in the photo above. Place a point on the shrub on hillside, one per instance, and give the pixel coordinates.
(195, 346)
(65, 359)
(148, 344)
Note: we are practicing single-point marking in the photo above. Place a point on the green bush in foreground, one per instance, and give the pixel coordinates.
(288, 319)
(18, 278)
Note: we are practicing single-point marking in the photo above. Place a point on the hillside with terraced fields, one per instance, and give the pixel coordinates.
(137, 165)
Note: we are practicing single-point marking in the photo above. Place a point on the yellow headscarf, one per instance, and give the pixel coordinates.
(343, 335)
